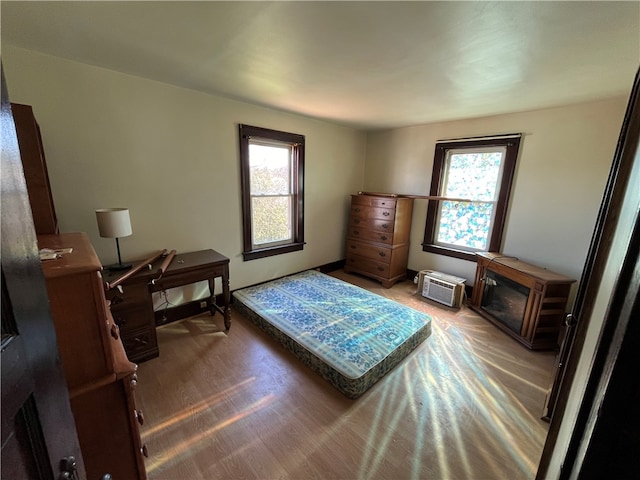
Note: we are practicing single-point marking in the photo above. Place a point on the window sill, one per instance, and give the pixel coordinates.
(449, 252)
(271, 251)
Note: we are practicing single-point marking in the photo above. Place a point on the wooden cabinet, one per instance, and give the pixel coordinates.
(378, 237)
(99, 376)
(132, 310)
(35, 170)
(527, 302)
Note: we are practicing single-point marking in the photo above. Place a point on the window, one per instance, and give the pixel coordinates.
(272, 171)
(474, 176)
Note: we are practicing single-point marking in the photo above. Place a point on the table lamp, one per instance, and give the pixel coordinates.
(114, 223)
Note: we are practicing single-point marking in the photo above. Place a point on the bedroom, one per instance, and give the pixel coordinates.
(170, 154)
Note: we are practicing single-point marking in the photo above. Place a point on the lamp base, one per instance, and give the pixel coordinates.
(118, 267)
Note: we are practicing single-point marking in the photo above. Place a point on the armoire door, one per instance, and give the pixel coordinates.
(39, 439)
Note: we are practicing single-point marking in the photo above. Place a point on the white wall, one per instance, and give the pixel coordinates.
(171, 156)
(561, 172)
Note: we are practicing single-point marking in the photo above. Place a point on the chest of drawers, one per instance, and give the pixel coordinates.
(100, 378)
(132, 309)
(378, 237)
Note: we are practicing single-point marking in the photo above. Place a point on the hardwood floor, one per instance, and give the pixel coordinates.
(466, 404)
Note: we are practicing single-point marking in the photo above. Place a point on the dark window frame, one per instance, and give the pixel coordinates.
(246, 132)
(512, 144)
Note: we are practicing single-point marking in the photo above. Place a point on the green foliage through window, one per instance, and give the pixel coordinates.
(272, 167)
(475, 177)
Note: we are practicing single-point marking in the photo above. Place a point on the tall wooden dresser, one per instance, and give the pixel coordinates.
(100, 378)
(34, 165)
(378, 236)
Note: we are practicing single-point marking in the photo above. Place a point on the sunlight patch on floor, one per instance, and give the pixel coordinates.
(196, 442)
(187, 413)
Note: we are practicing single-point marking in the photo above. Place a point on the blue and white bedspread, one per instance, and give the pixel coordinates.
(348, 335)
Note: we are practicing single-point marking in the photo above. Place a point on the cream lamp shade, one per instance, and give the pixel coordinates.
(114, 222)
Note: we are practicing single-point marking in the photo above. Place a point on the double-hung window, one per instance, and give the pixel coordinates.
(272, 171)
(471, 181)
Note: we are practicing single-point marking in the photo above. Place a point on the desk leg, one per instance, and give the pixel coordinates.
(227, 298)
(212, 296)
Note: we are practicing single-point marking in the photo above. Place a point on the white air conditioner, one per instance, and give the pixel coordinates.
(442, 288)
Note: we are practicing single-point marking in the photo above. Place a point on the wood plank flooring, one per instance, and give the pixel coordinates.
(466, 404)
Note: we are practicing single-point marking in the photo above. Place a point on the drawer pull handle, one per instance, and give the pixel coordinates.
(381, 269)
(356, 232)
(120, 321)
(140, 340)
(354, 247)
(356, 221)
(382, 254)
(356, 209)
(114, 331)
(386, 214)
(140, 417)
(144, 451)
(385, 225)
(383, 237)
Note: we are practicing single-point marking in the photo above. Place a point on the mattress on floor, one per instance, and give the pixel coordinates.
(348, 335)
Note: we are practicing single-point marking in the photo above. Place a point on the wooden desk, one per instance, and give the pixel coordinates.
(132, 308)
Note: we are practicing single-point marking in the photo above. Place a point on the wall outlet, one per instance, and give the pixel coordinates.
(203, 304)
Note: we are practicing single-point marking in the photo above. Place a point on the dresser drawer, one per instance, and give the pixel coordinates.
(132, 294)
(366, 265)
(140, 344)
(369, 235)
(372, 251)
(364, 212)
(385, 202)
(129, 319)
(372, 223)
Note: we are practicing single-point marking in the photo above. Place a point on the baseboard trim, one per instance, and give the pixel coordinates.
(331, 267)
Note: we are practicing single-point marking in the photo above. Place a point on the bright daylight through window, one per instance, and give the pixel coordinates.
(272, 165)
(475, 178)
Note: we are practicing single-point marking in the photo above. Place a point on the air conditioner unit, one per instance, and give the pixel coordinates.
(442, 288)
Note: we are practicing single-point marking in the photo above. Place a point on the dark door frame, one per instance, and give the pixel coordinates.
(605, 437)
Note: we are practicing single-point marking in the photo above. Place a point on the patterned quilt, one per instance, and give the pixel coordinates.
(348, 335)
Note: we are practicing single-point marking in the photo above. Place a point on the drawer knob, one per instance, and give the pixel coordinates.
(382, 254)
(357, 209)
(356, 232)
(140, 417)
(114, 331)
(383, 237)
(141, 340)
(381, 269)
(355, 220)
(386, 214)
(354, 247)
(385, 225)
